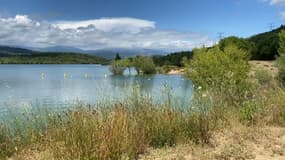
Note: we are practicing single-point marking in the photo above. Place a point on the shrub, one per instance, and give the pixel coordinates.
(144, 65)
(223, 73)
(117, 67)
(248, 112)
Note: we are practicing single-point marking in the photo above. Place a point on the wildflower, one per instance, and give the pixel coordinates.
(199, 88)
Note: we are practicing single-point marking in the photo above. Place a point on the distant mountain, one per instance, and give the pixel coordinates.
(108, 53)
(7, 50)
(16, 55)
(60, 49)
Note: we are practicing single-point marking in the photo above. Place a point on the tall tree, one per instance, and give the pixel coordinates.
(118, 57)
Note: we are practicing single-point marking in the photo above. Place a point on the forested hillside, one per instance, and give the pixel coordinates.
(266, 44)
(13, 55)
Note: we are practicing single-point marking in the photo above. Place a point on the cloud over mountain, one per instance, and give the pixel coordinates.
(96, 34)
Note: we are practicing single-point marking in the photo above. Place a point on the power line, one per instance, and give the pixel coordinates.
(220, 35)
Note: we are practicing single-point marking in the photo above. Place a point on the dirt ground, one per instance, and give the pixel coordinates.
(270, 66)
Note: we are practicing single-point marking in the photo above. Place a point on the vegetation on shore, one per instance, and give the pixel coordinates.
(52, 58)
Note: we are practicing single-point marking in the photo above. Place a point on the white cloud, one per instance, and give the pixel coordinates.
(109, 24)
(96, 34)
(276, 2)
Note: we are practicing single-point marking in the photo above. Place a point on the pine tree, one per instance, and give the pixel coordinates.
(118, 57)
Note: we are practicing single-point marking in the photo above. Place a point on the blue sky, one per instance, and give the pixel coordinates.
(155, 24)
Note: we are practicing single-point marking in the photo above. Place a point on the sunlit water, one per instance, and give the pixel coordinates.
(62, 86)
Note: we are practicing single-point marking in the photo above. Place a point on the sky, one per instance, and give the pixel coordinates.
(169, 25)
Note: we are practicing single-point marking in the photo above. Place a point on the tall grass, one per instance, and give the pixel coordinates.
(121, 130)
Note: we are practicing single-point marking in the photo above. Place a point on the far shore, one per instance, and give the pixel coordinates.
(177, 71)
(267, 65)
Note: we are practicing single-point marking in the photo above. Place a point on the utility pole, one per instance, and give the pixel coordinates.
(220, 35)
(271, 26)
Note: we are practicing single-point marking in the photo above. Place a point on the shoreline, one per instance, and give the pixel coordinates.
(176, 71)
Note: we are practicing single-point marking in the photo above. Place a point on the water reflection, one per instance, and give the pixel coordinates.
(22, 85)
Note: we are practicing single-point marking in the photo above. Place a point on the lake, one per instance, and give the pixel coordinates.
(62, 86)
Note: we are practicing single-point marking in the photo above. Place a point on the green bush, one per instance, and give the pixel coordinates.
(224, 73)
(117, 67)
(248, 112)
(144, 65)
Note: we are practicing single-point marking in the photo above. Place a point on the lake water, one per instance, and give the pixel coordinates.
(61, 86)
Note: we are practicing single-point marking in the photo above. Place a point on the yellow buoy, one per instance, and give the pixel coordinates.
(65, 75)
(43, 75)
(86, 75)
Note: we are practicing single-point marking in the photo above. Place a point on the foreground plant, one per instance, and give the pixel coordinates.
(225, 73)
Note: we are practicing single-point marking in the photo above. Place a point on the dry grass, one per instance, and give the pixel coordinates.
(240, 142)
(269, 66)
(236, 143)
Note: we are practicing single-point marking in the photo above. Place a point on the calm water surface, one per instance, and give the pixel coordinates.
(61, 86)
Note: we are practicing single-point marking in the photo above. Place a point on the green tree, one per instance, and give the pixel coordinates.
(117, 67)
(224, 73)
(281, 58)
(267, 44)
(143, 64)
(117, 57)
(240, 43)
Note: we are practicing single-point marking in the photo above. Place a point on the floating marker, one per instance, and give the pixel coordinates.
(65, 75)
(43, 75)
(86, 75)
